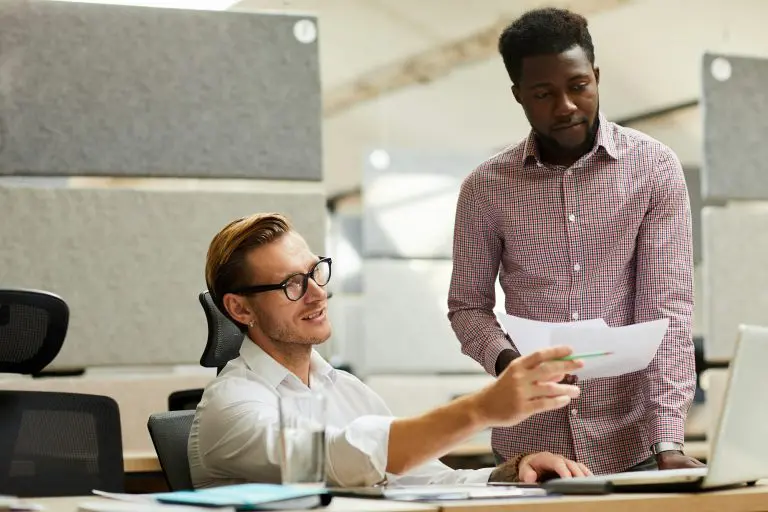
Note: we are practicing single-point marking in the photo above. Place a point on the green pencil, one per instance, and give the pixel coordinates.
(585, 355)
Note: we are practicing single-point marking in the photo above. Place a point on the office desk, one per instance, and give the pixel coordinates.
(146, 461)
(141, 462)
(754, 499)
(337, 505)
(748, 499)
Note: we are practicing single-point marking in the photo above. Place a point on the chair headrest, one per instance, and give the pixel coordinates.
(33, 325)
(224, 337)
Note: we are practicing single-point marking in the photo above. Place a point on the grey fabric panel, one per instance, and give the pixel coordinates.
(129, 263)
(89, 89)
(410, 207)
(735, 277)
(735, 152)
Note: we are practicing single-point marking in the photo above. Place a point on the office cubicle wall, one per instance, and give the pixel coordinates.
(110, 90)
(734, 188)
(130, 263)
(735, 274)
(734, 99)
(118, 126)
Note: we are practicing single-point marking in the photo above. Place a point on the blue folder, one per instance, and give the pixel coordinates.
(250, 497)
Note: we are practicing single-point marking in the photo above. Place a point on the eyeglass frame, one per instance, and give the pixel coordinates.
(283, 285)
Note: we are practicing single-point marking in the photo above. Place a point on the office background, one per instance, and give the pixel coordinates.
(131, 134)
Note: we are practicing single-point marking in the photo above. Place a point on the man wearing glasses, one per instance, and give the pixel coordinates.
(263, 276)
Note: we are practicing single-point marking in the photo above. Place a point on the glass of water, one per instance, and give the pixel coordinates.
(302, 439)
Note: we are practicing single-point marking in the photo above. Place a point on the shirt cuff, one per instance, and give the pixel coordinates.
(357, 454)
(667, 429)
(491, 354)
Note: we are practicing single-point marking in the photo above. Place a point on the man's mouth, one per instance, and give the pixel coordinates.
(567, 126)
(314, 315)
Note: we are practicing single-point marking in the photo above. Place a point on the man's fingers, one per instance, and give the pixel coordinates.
(555, 370)
(562, 469)
(552, 389)
(527, 474)
(575, 468)
(534, 359)
(584, 469)
(548, 404)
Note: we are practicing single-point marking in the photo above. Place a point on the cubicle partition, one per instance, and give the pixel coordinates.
(128, 137)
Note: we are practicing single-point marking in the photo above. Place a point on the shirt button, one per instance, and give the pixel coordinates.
(574, 412)
(572, 218)
(575, 315)
(577, 267)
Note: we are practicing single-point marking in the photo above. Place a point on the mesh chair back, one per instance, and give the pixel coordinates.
(185, 399)
(224, 337)
(169, 432)
(33, 325)
(59, 444)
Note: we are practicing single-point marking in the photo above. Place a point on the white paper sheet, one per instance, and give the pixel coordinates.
(633, 346)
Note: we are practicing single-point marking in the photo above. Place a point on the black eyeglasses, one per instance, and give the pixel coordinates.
(295, 285)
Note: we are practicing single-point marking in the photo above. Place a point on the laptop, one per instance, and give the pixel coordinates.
(739, 449)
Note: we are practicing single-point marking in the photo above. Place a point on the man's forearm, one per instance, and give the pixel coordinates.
(414, 441)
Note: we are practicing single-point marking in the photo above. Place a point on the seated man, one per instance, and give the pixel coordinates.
(234, 436)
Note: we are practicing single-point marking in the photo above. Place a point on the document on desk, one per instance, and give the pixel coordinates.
(632, 346)
(438, 492)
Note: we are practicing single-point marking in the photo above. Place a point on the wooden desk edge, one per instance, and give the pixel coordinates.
(141, 462)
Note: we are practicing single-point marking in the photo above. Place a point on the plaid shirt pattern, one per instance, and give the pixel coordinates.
(608, 237)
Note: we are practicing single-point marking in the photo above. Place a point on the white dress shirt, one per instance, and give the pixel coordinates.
(235, 433)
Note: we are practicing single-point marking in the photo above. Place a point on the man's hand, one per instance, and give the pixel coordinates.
(508, 355)
(529, 385)
(538, 467)
(677, 460)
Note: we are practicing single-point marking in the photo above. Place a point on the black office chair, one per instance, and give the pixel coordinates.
(51, 444)
(185, 399)
(224, 337)
(222, 345)
(33, 325)
(169, 432)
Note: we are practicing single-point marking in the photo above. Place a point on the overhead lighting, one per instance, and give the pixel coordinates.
(203, 5)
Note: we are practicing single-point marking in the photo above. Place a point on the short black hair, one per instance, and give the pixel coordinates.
(542, 32)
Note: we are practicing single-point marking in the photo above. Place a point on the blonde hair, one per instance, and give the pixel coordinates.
(225, 267)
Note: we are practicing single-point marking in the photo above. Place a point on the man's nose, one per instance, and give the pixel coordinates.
(565, 107)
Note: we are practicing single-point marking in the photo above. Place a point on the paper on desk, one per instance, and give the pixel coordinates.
(633, 346)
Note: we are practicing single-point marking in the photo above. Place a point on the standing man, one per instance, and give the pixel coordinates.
(583, 219)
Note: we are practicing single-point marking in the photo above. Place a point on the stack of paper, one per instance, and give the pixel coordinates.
(632, 347)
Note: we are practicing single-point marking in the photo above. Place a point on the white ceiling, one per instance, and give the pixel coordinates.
(649, 52)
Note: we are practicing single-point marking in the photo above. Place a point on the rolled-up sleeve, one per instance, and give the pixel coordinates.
(239, 440)
(477, 249)
(665, 290)
(357, 454)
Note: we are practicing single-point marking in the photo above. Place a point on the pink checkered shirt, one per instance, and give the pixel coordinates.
(608, 237)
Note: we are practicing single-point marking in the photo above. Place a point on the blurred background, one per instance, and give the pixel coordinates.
(132, 133)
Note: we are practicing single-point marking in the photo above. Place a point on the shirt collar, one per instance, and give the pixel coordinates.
(273, 372)
(604, 139)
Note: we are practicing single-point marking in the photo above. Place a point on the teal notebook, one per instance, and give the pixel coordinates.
(250, 497)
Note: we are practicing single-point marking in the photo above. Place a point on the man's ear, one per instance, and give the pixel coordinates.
(597, 74)
(516, 93)
(238, 308)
